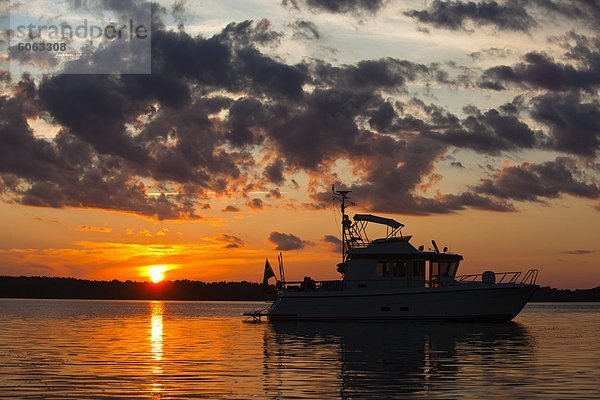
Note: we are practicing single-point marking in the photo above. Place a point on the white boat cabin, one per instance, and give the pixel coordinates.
(392, 261)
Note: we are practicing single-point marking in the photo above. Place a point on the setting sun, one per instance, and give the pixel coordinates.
(156, 273)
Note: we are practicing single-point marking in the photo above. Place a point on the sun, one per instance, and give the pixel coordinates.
(156, 273)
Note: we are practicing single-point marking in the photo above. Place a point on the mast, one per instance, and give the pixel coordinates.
(342, 197)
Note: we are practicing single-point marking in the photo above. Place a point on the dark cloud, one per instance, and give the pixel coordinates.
(491, 52)
(386, 73)
(489, 132)
(451, 203)
(270, 76)
(127, 57)
(419, 116)
(509, 15)
(537, 182)
(249, 33)
(287, 241)
(578, 252)
(186, 148)
(338, 6)
(103, 141)
(207, 61)
(21, 154)
(539, 70)
(43, 61)
(332, 239)
(256, 204)
(179, 142)
(101, 184)
(228, 60)
(323, 129)
(180, 130)
(393, 200)
(305, 30)
(333, 242)
(94, 108)
(574, 123)
(583, 50)
(67, 172)
(587, 12)
(274, 172)
(230, 241)
(244, 115)
(383, 117)
(392, 166)
(119, 193)
(274, 194)
(393, 174)
(249, 118)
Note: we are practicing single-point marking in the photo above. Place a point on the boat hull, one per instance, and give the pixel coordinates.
(477, 303)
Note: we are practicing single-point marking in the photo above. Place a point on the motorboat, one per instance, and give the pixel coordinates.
(390, 279)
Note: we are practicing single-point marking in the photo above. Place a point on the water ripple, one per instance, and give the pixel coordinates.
(56, 349)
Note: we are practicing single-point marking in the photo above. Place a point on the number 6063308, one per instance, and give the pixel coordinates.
(45, 46)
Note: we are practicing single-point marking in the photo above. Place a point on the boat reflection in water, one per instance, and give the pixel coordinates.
(388, 360)
(141, 350)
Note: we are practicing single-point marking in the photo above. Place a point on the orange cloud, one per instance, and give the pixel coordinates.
(55, 221)
(88, 228)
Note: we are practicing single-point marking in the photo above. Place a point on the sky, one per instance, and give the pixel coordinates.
(476, 124)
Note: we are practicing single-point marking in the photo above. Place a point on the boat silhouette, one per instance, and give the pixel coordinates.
(389, 279)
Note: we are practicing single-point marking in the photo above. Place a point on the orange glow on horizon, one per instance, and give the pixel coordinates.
(47, 244)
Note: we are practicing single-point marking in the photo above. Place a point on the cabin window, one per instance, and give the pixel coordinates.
(434, 271)
(445, 268)
(382, 268)
(452, 268)
(418, 268)
(400, 269)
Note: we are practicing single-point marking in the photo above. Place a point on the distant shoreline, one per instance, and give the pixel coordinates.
(231, 301)
(186, 290)
(82, 289)
(166, 300)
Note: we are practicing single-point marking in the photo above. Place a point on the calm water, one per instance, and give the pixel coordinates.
(115, 349)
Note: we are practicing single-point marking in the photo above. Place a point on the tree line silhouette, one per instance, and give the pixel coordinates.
(72, 288)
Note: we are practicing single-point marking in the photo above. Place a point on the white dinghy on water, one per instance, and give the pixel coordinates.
(389, 279)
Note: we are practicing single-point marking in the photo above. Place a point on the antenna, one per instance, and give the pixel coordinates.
(435, 246)
(342, 197)
(281, 270)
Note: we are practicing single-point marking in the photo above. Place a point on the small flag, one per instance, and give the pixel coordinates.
(268, 273)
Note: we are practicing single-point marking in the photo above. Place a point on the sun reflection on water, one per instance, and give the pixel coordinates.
(156, 345)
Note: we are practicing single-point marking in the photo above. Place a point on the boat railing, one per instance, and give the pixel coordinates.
(339, 285)
(530, 277)
(309, 285)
